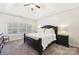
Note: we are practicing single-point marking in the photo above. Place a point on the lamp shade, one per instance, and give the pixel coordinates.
(62, 30)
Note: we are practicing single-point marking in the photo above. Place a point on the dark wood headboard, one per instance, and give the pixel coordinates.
(51, 26)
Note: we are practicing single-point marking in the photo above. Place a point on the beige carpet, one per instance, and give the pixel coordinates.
(19, 48)
(56, 49)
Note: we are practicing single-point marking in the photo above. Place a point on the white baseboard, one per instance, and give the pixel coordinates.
(15, 37)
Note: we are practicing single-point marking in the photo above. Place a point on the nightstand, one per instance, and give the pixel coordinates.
(63, 40)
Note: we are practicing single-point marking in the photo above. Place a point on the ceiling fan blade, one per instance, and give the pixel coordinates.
(37, 6)
(32, 4)
(27, 4)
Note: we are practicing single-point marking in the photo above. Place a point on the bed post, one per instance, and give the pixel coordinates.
(24, 37)
(40, 47)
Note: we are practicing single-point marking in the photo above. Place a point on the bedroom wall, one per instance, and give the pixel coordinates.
(70, 18)
(6, 18)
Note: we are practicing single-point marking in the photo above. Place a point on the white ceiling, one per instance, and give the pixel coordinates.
(46, 9)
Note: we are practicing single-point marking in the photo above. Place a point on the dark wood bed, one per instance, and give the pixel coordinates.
(36, 44)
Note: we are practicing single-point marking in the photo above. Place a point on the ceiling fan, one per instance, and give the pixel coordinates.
(32, 5)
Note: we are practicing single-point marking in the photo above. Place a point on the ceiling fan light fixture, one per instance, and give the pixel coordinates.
(32, 6)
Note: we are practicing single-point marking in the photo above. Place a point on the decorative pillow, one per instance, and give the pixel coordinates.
(49, 31)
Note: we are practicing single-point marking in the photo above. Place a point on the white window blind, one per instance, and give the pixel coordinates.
(18, 28)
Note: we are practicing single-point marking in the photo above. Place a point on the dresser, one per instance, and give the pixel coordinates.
(63, 40)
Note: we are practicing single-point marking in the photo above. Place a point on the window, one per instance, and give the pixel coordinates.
(22, 28)
(12, 28)
(18, 28)
(29, 28)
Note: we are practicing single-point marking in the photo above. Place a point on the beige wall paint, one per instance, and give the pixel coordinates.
(34, 27)
(5, 19)
(69, 18)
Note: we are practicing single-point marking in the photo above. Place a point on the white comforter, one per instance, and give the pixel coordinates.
(46, 38)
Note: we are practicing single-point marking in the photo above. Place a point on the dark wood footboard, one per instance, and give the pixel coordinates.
(35, 44)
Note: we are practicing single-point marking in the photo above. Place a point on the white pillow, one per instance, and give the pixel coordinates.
(41, 30)
(50, 31)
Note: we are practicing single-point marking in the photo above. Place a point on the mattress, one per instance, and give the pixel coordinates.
(46, 38)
